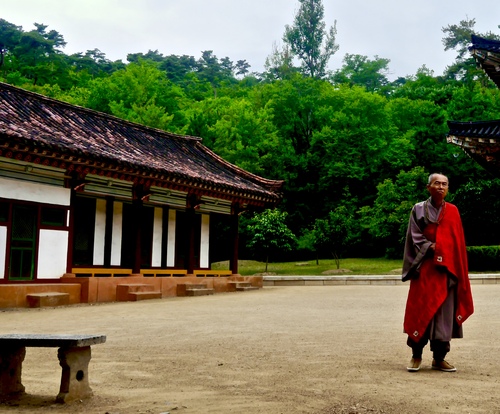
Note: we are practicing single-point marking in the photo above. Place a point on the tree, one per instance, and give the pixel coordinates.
(308, 39)
(335, 233)
(140, 93)
(242, 67)
(387, 219)
(354, 146)
(270, 234)
(279, 64)
(93, 62)
(237, 131)
(359, 70)
(10, 36)
(480, 219)
(212, 70)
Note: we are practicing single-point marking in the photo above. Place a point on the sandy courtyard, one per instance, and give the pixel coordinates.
(324, 349)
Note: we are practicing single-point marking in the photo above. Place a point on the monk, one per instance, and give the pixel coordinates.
(435, 262)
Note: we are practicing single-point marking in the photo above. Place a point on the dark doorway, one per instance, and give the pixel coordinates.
(23, 242)
(133, 217)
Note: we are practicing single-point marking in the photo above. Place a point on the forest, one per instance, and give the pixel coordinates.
(354, 148)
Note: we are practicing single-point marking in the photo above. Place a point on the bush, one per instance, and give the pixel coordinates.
(484, 258)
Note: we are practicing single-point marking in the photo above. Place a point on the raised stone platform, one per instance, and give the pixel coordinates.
(475, 278)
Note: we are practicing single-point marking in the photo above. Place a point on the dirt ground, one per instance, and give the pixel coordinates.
(314, 349)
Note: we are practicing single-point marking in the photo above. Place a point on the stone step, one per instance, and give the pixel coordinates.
(193, 289)
(135, 296)
(38, 300)
(240, 286)
(245, 288)
(124, 291)
(199, 292)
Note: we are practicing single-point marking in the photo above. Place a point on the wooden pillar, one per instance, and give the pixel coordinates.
(75, 183)
(192, 204)
(140, 193)
(137, 209)
(191, 247)
(108, 230)
(235, 222)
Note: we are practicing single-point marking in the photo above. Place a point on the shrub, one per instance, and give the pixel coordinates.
(484, 258)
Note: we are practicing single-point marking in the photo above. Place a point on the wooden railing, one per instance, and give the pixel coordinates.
(100, 271)
(212, 273)
(163, 272)
(113, 272)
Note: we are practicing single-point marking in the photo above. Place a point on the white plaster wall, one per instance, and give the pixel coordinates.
(116, 242)
(35, 192)
(157, 236)
(99, 232)
(171, 238)
(3, 250)
(52, 254)
(204, 243)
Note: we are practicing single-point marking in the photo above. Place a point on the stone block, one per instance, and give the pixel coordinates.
(38, 300)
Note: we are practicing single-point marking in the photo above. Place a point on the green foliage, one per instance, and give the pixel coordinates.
(484, 258)
(387, 220)
(237, 131)
(361, 71)
(481, 225)
(270, 234)
(139, 93)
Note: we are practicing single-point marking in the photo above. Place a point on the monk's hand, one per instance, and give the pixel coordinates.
(431, 249)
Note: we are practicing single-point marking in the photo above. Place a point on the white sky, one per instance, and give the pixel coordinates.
(408, 32)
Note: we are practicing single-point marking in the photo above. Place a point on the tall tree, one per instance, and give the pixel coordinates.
(242, 67)
(279, 64)
(309, 40)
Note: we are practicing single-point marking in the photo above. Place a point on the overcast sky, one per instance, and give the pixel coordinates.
(408, 32)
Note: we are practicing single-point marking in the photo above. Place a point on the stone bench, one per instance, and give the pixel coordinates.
(74, 357)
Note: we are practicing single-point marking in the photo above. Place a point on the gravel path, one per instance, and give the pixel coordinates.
(314, 349)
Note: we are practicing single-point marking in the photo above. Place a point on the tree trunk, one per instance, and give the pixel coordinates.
(336, 257)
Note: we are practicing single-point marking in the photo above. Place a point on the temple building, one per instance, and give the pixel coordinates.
(481, 139)
(90, 200)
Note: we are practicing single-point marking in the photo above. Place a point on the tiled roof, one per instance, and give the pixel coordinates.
(480, 140)
(33, 126)
(487, 54)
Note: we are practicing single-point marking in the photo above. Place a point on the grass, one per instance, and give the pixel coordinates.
(378, 266)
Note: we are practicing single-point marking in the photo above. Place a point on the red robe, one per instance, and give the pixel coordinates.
(429, 285)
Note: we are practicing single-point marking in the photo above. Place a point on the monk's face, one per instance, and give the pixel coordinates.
(438, 187)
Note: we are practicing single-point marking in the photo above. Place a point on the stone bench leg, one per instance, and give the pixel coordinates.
(74, 379)
(11, 362)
